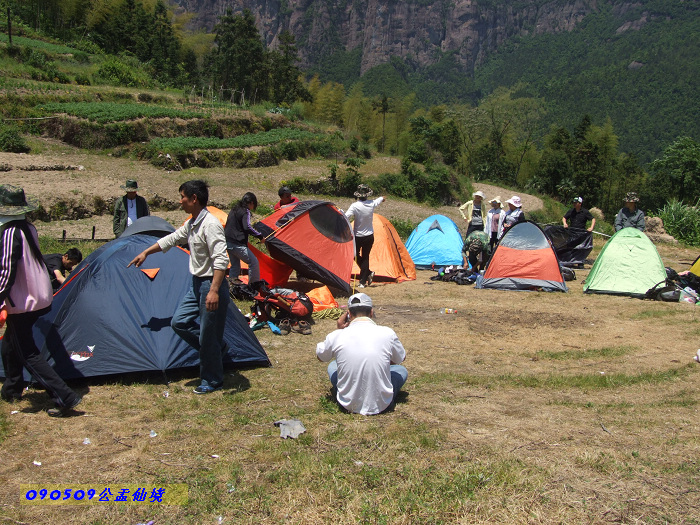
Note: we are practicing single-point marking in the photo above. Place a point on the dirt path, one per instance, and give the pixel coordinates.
(88, 176)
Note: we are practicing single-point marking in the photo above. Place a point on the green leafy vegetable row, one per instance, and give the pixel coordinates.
(114, 112)
(264, 138)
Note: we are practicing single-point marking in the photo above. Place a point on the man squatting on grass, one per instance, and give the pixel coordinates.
(364, 360)
(208, 296)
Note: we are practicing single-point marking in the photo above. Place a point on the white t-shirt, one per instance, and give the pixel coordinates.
(130, 211)
(364, 352)
(363, 213)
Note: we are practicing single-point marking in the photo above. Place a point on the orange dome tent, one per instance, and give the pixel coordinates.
(389, 258)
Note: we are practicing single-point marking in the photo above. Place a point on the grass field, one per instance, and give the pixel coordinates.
(522, 407)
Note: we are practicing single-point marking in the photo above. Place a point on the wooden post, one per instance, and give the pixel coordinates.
(93, 233)
(64, 235)
(9, 25)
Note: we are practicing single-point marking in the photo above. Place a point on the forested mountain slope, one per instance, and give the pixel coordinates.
(635, 62)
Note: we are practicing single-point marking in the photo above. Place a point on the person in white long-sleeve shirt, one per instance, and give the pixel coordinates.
(362, 212)
(364, 360)
(201, 316)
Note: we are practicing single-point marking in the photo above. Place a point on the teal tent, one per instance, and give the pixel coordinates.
(435, 242)
(628, 264)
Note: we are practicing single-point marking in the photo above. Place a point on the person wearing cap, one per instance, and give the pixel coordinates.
(128, 208)
(58, 264)
(364, 360)
(630, 216)
(494, 221)
(25, 295)
(514, 215)
(286, 198)
(201, 316)
(476, 246)
(578, 216)
(362, 212)
(474, 213)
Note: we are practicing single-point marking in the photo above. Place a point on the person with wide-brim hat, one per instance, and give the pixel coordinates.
(514, 214)
(474, 213)
(494, 221)
(128, 208)
(25, 295)
(630, 216)
(362, 212)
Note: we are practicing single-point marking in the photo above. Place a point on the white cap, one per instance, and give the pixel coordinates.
(359, 299)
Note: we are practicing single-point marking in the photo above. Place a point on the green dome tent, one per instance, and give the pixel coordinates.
(628, 264)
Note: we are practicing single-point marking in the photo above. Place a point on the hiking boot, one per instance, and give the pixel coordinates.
(10, 398)
(64, 411)
(302, 327)
(370, 278)
(285, 327)
(207, 389)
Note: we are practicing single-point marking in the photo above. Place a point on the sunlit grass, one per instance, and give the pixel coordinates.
(582, 381)
(613, 351)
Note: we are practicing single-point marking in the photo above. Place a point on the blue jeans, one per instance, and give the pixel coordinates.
(207, 335)
(399, 374)
(238, 253)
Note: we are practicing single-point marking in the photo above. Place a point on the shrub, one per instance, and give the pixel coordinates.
(81, 57)
(35, 58)
(551, 212)
(403, 227)
(682, 221)
(83, 80)
(117, 73)
(86, 47)
(11, 140)
(395, 184)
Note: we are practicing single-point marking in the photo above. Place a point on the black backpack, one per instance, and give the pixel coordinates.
(664, 291)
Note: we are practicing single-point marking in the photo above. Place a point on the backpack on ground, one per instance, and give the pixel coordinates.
(567, 273)
(664, 291)
(280, 303)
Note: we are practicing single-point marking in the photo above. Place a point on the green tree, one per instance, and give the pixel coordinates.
(285, 76)
(238, 60)
(677, 172)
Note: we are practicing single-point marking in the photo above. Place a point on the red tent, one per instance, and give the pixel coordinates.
(314, 238)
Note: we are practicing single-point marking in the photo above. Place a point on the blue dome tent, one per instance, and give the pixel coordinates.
(109, 319)
(435, 241)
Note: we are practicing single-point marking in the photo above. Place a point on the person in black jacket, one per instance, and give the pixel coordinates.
(58, 264)
(238, 227)
(128, 208)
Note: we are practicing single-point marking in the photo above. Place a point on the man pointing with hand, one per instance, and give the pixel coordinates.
(208, 296)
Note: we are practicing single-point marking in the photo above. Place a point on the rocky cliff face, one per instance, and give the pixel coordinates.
(420, 29)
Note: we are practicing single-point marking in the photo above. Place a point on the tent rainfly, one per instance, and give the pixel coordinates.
(436, 241)
(628, 264)
(389, 258)
(523, 260)
(109, 319)
(314, 238)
